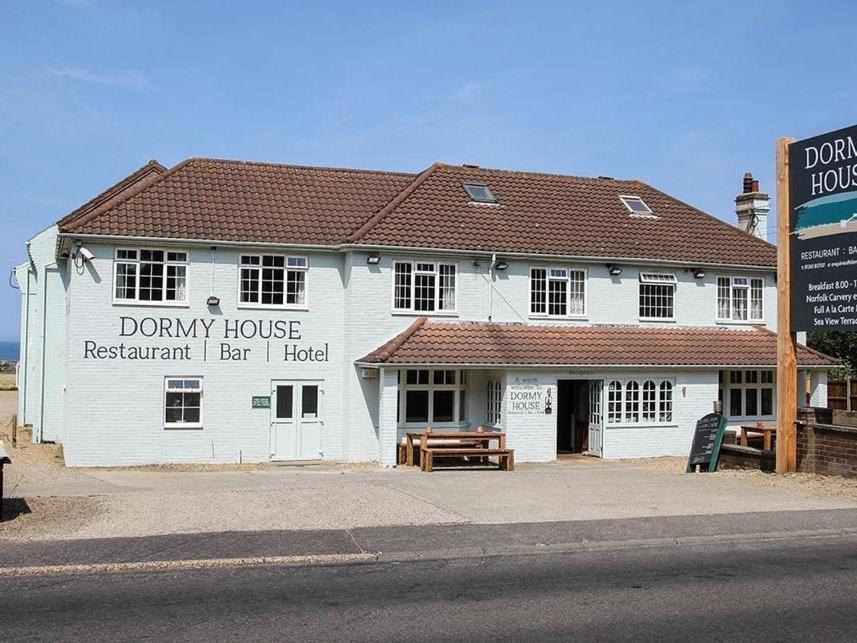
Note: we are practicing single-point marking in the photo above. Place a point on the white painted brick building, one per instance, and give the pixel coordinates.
(235, 312)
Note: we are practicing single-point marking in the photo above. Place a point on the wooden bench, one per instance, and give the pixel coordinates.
(506, 457)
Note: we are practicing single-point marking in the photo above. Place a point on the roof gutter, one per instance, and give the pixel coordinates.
(582, 366)
(350, 247)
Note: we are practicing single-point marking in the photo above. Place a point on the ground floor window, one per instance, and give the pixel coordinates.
(747, 394)
(434, 396)
(644, 401)
(183, 402)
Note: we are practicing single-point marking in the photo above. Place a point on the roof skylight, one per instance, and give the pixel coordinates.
(636, 205)
(480, 193)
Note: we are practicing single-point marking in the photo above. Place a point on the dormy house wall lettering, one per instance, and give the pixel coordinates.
(262, 335)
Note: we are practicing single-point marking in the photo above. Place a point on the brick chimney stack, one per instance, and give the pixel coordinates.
(752, 207)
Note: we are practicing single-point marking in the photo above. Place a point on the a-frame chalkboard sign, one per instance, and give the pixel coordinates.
(707, 439)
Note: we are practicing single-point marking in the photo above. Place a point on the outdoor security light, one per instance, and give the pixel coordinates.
(698, 273)
(213, 301)
(373, 259)
(614, 269)
(501, 265)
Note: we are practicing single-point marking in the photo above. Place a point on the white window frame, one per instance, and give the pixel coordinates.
(568, 279)
(735, 283)
(295, 268)
(655, 280)
(494, 398)
(629, 406)
(169, 389)
(457, 387)
(138, 262)
(436, 272)
(646, 215)
(765, 379)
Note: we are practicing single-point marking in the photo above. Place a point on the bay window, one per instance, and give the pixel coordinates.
(150, 276)
(424, 286)
(740, 298)
(635, 402)
(272, 280)
(557, 292)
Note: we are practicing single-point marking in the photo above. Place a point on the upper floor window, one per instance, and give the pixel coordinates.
(146, 275)
(657, 295)
(557, 292)
(423, 286)
(273, 280)
(740, 298)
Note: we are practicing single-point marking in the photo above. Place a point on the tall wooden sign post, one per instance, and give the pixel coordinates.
(816, 258)
(786, 338)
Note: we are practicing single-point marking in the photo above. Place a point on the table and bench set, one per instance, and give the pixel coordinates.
(424, 447)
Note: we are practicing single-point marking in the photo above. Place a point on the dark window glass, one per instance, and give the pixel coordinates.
(416, 406)
(767, 401)
(444, 403)
(751, 402)
(309, 401)
(284, 402)
(735, 397)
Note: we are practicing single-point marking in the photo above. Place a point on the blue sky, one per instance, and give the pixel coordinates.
(686, 96)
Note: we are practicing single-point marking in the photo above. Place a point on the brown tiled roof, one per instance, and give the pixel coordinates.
(114, 194)
(544, 214)
(238, 201)
(472, 343)
(559, 215)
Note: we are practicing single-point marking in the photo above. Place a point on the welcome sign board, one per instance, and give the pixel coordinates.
(823, 204)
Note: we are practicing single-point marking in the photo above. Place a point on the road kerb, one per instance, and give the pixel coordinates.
(415, 556)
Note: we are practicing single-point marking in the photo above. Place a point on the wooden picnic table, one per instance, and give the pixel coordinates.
(767, 429)
(483, 438)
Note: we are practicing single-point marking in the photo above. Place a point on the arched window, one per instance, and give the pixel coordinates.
(665, 404)
(650, 399)
(632, 403)
(614, 402)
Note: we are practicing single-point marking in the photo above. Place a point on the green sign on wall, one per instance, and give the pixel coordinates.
(261, 402)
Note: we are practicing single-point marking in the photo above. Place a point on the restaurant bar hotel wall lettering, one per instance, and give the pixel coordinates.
(225, 311)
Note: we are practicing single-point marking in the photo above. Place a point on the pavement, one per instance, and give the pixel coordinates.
(786, 590)
(127, 503)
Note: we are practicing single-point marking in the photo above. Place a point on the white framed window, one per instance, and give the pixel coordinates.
(740, 298)
(434, 396)
(748, 394)
(275, 281)
(424, 287)
(150, 276)
(631, 402)
(495, 401)
(557, 292)
(657, 295)
(183, 402)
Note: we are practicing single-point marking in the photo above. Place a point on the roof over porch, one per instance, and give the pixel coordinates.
(427, 343)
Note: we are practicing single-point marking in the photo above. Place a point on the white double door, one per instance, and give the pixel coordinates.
(296, 419)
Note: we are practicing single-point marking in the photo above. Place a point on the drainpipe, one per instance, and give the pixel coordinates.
(44, 346)
(491, 285)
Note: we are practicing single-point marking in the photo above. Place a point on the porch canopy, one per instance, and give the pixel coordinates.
(488, 344)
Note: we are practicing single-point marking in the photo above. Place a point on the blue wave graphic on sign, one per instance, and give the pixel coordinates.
(828, 210)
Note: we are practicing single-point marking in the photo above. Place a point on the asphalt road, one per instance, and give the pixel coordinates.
(794, 589)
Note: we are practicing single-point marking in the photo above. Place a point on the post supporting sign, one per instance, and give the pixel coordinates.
(816, 258)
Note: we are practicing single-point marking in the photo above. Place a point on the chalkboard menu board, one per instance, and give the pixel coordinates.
(707, 438)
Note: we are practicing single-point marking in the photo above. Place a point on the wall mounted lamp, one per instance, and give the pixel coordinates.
(213, 301)
(614, 269)
(373, 259)
(501, 265)
(698, 273)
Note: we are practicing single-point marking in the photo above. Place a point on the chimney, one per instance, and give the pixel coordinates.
(752, 208)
